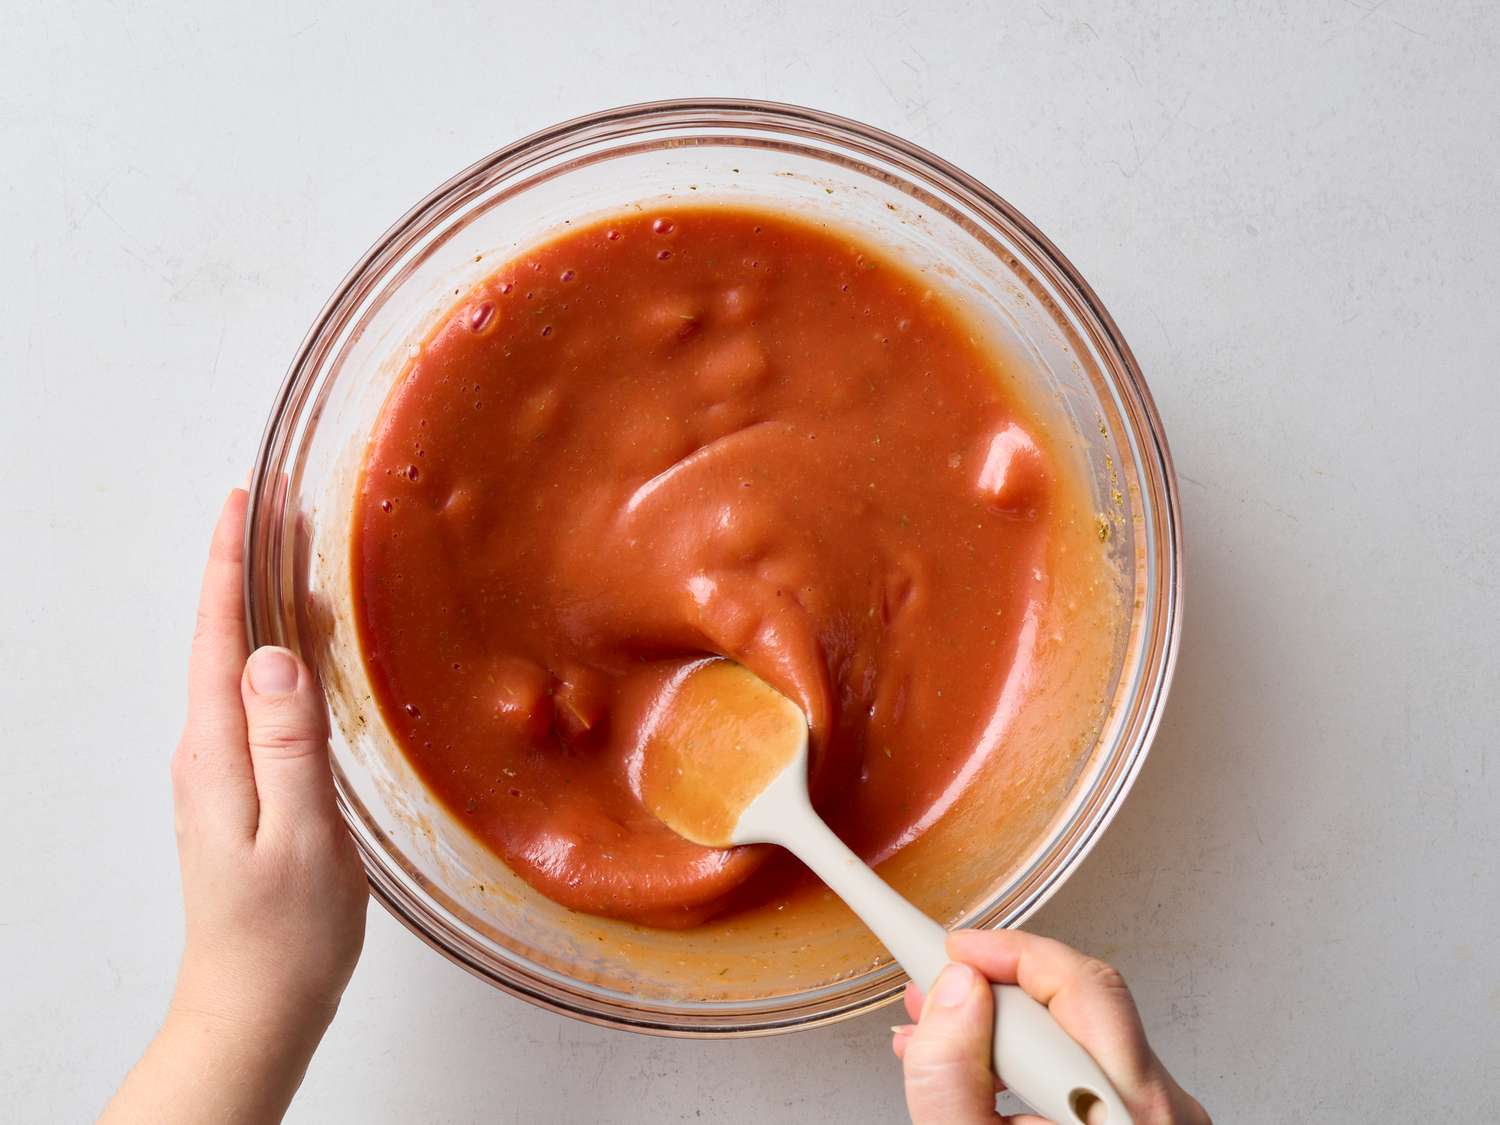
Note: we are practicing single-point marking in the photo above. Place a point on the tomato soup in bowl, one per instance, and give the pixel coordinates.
(699, 380)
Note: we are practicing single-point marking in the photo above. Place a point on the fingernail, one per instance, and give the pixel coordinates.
(954, 985)
(900, 1029)
(272, 671)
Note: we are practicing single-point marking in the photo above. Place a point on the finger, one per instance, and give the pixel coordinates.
(912, 999)
(1088, 998)
(288, 730)
(219, 645)
(900, 1036)
(946, 1060)
(211, 770)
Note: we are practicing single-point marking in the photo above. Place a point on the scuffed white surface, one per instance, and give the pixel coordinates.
(1292, 209)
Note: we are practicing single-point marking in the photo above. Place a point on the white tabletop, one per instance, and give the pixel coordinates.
(1293, 210)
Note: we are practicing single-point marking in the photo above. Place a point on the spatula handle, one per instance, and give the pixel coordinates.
(1044, 1066)
(1035, 1058)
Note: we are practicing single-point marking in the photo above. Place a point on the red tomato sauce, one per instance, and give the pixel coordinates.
(702, 430)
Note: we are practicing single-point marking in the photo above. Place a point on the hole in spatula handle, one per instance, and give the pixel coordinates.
(1085, 1102)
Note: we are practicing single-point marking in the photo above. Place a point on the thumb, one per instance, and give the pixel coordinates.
(947, 1060)
(288, 735)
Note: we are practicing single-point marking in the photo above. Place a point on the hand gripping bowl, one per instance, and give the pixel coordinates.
(765, 973)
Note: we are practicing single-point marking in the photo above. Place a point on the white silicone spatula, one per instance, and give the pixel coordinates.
(726, 763)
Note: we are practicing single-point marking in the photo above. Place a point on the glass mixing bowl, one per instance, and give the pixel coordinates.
(738, 977)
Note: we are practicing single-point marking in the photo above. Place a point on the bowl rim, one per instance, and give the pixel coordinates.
(1124, 376)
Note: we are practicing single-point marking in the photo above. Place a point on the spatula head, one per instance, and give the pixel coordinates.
(718, 736)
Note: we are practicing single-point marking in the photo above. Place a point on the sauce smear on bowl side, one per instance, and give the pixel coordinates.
(703, 431)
